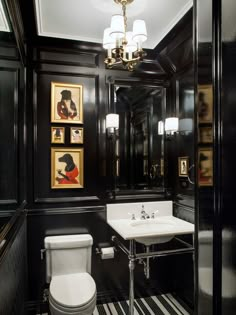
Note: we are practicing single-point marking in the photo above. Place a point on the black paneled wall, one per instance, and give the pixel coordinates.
(11, 122)
(13, 271)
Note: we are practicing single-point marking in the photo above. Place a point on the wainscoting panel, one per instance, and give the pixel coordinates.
(13, 271)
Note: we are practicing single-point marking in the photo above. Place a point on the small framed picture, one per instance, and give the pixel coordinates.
(162, 166)
(205, 134)
(205, 103)
(57, 135)
(76, 135)
(66, 103)
(183, 166)
(205, 166)
(67, 168)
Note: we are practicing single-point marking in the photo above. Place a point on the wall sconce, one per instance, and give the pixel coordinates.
(171, 125)
(160, 128)
(112, 123)
(185, 126)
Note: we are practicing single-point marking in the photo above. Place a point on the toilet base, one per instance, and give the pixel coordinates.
(86, 310)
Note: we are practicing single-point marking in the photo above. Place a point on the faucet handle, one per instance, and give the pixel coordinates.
(153, 214)
(132, 215)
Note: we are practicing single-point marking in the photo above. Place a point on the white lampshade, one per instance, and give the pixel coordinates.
(172, 124)
(131, 45)
(108, 41)
(112, 121)
(186, 125)
(160, 127)
(139, 31)
(117, 26)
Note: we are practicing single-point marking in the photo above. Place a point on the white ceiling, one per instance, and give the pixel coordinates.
(85, 20)
(3, 20)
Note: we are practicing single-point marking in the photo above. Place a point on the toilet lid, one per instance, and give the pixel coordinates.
(72, 290)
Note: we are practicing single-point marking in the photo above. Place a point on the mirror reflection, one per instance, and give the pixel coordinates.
(8, 112)
(139, 145)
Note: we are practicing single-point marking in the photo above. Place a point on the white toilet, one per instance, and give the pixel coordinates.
(68, 266)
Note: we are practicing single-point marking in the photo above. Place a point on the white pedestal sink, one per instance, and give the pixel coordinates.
(149, 231)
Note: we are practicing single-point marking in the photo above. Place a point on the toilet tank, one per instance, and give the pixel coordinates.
(66, 254)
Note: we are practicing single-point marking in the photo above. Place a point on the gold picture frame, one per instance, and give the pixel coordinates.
(67, 168)
(76, 135)
(183, 166)
(66, 103)
(205, 103)
(162, 166)
(205, 134)
(205, 166)
(58, 135)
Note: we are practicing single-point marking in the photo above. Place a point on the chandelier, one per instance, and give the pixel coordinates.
(124, 47)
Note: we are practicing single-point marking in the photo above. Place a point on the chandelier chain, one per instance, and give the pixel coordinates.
(124, 42)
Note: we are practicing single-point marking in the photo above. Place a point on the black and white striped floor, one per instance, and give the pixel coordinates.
(165, 304)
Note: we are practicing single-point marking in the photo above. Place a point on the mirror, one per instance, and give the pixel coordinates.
(11, 78)
(138, 145)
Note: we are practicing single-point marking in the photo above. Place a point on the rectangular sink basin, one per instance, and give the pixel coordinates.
(153, 225)
(149, 231)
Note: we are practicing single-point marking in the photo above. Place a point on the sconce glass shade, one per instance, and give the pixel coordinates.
(117, 26)
(112, 121)
(185, 125)
(139, 31)
(172, 124)
(108, 41)
(160, 127)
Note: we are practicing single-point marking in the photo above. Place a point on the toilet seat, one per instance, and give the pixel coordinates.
(73, 292)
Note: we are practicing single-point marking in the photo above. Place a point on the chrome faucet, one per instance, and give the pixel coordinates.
(144, 214)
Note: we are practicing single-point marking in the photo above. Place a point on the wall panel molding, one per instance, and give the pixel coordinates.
(73, 58)
(41, 120)
(64, 199)
(10, 98)
(66, 210)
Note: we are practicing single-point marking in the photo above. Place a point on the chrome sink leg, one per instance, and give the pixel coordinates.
(147, 266)
(131, 276)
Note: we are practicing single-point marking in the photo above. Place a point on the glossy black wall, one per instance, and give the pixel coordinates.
(13, 268)
(12, 167)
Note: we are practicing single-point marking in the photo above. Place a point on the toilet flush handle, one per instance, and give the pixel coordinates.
(42, 251)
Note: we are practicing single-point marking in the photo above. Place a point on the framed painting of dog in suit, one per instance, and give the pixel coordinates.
(66, 103)
(67, 168)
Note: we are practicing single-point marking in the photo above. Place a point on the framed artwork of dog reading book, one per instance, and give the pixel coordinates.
(67, 168)
(66, 103)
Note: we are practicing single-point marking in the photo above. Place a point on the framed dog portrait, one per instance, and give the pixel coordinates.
(205, 103)
(76, 135)
(57, 135)
(205, 166)
(205, 134)
(183, 166)
(66, 103)
(67, 168)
